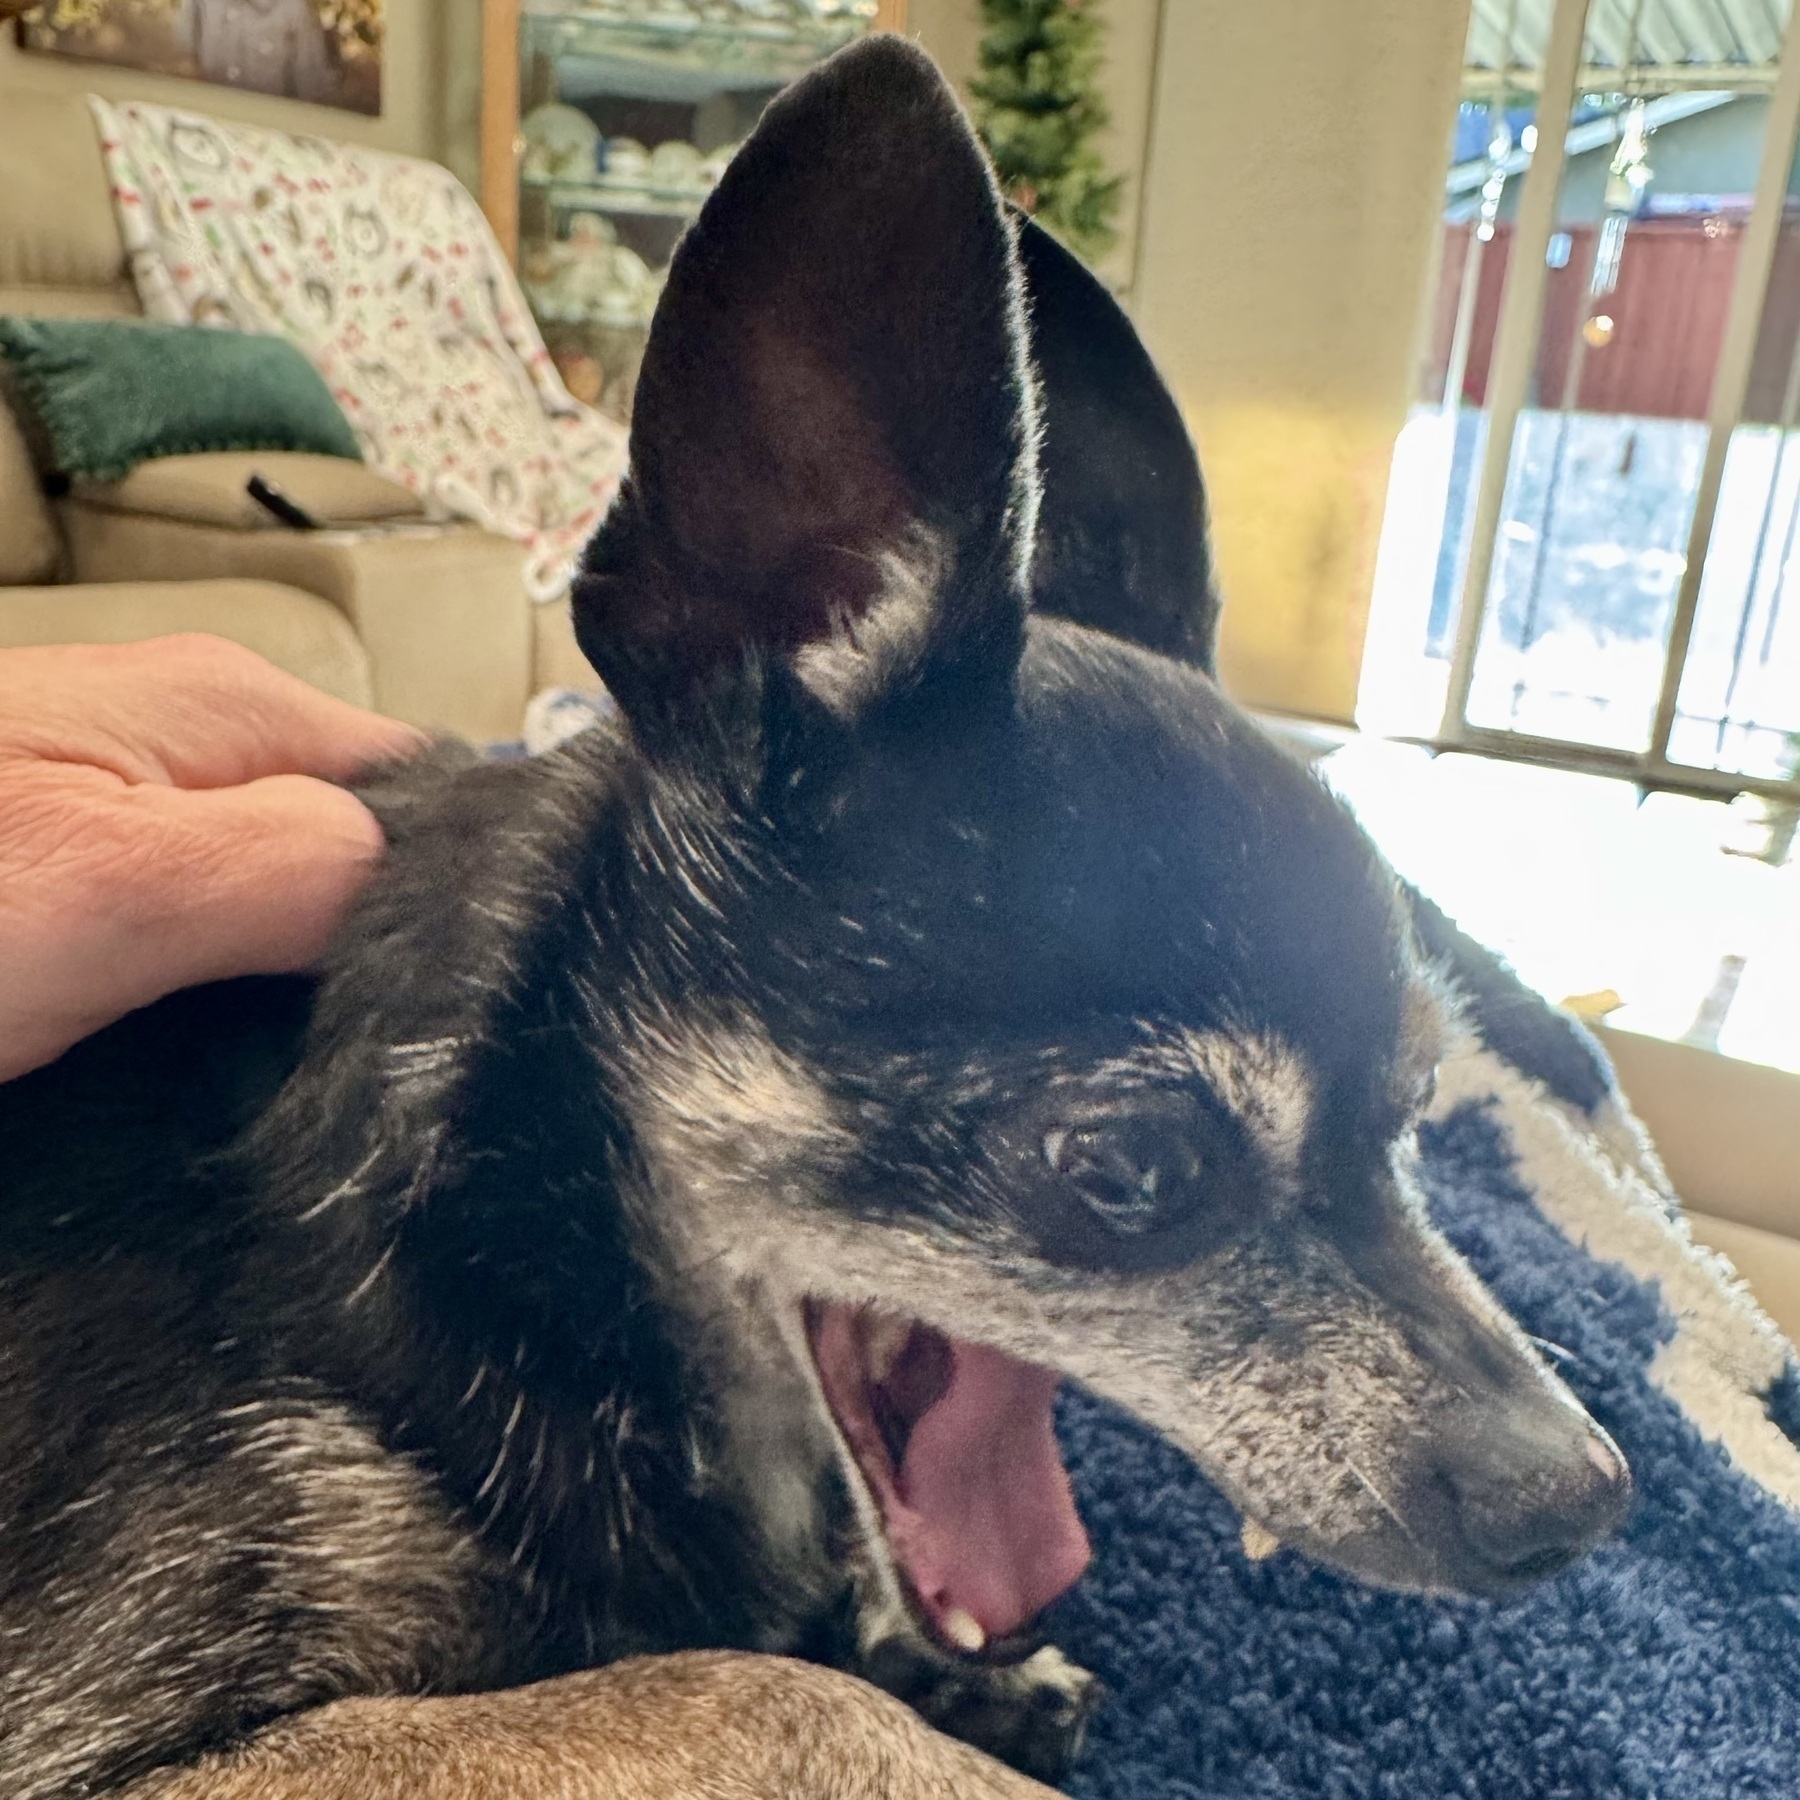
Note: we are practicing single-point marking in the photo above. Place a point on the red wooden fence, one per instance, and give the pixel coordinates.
(1668, 314)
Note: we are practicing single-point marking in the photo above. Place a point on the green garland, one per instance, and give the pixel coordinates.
(1038, 109)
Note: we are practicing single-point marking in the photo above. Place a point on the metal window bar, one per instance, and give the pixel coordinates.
(1515, 341)
(1561, 77)
(1784, 442)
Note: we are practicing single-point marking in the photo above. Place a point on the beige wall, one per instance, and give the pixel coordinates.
(415, 81)
(1129, 83)
(459, 115)
(1285, 161)
(1291, 199)
(950, 30)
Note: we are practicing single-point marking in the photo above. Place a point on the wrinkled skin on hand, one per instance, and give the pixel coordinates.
(168, 815)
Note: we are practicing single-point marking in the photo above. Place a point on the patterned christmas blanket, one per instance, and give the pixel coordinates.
(383, 271)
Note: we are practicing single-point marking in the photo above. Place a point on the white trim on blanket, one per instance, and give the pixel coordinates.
(1601, 1184)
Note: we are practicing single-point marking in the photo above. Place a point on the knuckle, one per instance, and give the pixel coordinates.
(201, 656)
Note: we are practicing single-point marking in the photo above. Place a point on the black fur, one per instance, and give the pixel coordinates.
(859, 415)
(1123, 548)
(1123, 543)
(424, 1333)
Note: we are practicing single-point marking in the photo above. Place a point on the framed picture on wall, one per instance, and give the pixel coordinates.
(325, 51)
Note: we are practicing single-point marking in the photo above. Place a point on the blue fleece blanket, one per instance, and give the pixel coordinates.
(1665, 1667)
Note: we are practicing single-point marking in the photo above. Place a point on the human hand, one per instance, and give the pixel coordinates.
(167, 817)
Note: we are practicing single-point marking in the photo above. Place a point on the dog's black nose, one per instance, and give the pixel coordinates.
(1524, 1517)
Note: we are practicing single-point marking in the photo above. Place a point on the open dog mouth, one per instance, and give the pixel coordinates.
(958, 1446)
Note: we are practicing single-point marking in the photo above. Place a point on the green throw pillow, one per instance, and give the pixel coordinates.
(108, 394)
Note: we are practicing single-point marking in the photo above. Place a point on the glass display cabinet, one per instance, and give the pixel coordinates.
(623, 114)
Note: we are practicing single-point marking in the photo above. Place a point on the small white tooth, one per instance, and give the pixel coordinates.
(964, 1630)
(1604, 1458)
(1259, 1542)
(884, 1337)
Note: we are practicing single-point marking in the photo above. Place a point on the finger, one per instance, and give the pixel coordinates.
(190, 711)
(131, 892)
(252, 879)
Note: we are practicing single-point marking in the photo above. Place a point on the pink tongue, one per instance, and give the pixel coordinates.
(983, 1521)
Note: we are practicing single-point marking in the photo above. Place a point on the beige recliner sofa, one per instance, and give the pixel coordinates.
(429, 623)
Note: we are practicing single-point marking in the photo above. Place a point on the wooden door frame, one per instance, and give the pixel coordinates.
(500, 121)
(500, 145)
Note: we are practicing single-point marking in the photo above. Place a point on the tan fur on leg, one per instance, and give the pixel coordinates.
(707, 1725)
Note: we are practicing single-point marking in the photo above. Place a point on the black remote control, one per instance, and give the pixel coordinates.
(268, 496)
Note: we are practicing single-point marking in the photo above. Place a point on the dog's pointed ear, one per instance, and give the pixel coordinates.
(1122, 538)
(832, 450)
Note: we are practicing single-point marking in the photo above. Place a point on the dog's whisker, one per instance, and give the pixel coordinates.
(1380, 1499)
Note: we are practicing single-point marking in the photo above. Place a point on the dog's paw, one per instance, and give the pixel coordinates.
(1030, 1713)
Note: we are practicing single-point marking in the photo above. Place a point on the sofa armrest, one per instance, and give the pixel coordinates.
(213, 488)
(441, 610)
(298, 632)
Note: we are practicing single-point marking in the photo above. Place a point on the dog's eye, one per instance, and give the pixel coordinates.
(1143, 1167)
(1134, 1173)
(1145, 1179)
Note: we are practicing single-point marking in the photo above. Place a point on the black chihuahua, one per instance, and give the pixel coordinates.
(667, 1221)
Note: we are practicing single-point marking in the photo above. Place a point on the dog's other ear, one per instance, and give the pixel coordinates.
(832, 444)
(1122, 541)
